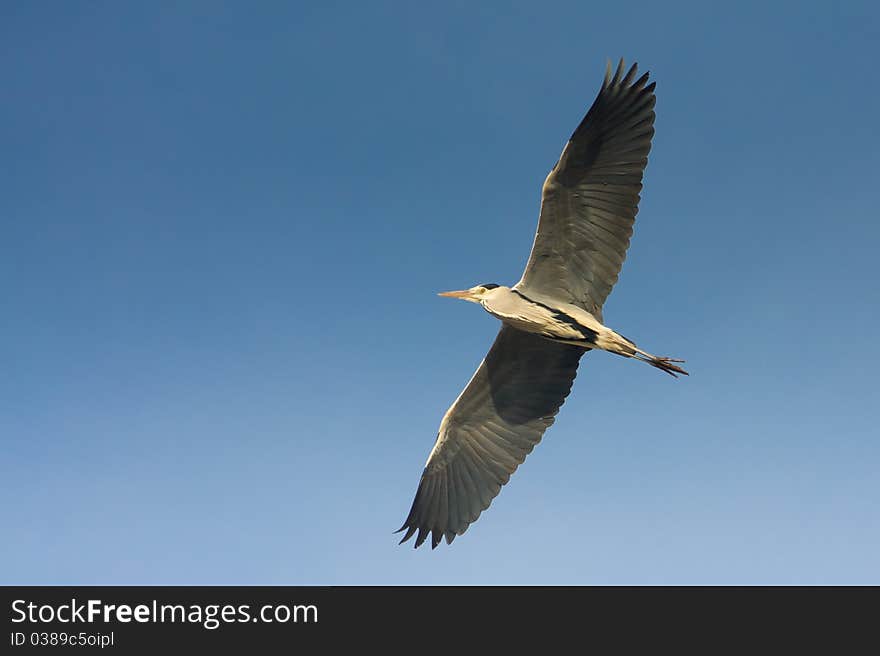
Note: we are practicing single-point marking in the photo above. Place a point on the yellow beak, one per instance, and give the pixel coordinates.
(464, 293)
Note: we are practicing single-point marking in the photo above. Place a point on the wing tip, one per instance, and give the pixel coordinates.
(437, 535)
(409, 532)
(618, 72)
(618, 81)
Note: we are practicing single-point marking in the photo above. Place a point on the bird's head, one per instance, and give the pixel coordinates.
(474, 294)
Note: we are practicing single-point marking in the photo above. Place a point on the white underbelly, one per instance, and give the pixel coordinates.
(550, 327)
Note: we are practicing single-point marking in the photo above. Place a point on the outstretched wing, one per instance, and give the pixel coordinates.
(490, 429)
(591, 197)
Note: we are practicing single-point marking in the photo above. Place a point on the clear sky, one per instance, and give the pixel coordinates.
(223, 231)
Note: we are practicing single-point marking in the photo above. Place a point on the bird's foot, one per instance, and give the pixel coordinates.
(666, 364)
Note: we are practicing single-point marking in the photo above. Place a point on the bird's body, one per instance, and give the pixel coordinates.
(544, 316)
(558, 321)
(550, 318)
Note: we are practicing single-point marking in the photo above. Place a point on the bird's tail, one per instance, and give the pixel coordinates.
(662, 363)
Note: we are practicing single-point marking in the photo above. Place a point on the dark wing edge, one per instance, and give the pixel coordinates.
(590, 199)
(500, 416)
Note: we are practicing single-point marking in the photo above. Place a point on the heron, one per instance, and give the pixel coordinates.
(550, 318)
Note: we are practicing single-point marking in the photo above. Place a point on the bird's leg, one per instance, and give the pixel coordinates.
(613, 342)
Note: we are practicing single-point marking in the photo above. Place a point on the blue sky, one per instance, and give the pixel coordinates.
(223, 231)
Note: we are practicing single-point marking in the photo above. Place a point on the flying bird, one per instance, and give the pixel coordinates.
(550, 318)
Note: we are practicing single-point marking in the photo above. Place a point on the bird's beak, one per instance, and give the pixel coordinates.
(464, 293)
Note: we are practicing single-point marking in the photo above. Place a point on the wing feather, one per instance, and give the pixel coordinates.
(490, 429)
(590, 199)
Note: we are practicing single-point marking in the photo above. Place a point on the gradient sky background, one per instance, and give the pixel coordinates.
(224, 226)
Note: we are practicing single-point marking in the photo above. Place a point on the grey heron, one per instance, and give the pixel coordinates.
(550, 318)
